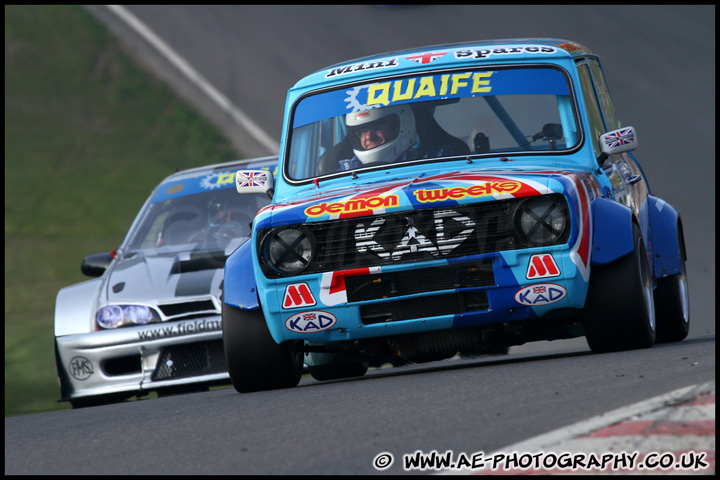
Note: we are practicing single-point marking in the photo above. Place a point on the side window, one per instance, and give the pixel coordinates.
(597, 126)
(606, 104)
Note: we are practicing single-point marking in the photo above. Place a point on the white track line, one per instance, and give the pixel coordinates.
(557, 436)
(565, 437)
(242, 119)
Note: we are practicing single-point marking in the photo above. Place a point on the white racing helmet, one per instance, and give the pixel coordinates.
(399, 125)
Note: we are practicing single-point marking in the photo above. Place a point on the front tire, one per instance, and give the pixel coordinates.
(620, 310)
(255, 362)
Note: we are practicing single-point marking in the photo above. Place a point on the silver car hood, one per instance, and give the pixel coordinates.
(165, 278)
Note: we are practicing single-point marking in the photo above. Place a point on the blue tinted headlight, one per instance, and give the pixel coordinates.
(110, 316)
(138, 314)
(114, 316)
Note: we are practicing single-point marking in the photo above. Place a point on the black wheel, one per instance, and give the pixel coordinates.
(335, 370)
(619, 311)
(672, 302)
(255, 362)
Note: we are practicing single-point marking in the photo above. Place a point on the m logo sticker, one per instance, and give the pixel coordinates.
(298, 295)
(542, 266)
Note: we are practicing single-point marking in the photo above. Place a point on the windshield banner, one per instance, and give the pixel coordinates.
(535, 81)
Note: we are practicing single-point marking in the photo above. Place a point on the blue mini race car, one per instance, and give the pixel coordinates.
(454, 198)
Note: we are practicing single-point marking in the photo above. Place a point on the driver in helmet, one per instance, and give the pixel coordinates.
(379, 135)
(218, 214)
(385, 135)
(217, 211)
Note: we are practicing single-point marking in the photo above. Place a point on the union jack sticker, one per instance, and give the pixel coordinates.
(620, 137)
(251, 179)
(425, 58)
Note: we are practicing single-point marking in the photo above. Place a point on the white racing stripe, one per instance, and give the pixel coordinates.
(242, 119)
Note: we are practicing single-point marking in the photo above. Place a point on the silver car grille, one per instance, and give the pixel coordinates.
(190, 360)
(174, 311)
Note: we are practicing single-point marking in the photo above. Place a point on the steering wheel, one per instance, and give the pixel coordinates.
(221, 235)
(179, 225)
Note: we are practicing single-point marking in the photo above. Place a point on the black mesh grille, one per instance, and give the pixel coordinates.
(409, 236)
(423, 307)
(411, 282)
(187, 308)
(202, 358)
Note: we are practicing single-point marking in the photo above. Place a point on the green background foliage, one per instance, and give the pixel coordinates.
(88, 134)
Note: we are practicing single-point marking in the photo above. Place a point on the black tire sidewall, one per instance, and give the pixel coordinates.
(255, 362)
(617, 314)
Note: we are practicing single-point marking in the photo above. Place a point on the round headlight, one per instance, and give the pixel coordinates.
(138, 314)
(541, 220)
(290, 250)
(115, 316)
(110, 316)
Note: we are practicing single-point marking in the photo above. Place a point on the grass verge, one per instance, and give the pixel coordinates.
(88, 134)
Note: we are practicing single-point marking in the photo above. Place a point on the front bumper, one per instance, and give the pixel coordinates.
(503, 289)
(136, 360)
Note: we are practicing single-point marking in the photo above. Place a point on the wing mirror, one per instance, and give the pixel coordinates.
(255, 181)
(617, 141)
(95, 265)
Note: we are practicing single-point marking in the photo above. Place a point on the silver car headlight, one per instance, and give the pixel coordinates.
(114, 316)
(289, 250)
(542, 220)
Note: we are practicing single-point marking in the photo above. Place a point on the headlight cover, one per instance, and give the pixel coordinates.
(289, 250)
(115, 316)
(542, 221)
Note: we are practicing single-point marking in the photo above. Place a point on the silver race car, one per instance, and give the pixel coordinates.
(150, 318)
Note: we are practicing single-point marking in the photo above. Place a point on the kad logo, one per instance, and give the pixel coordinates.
(542, 266)
(310, 322)
(298, 295)
(540, 294)
(445, 232)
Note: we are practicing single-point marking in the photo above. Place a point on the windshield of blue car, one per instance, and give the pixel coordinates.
(432, 116)
(178, 217)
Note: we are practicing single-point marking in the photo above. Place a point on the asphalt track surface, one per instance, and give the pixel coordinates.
(659, 63)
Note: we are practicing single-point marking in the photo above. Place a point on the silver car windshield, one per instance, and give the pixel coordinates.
(432, 116)
(182, 219)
